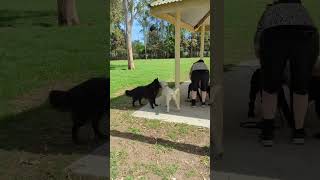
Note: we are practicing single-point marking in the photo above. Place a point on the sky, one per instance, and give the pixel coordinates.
(136, 34)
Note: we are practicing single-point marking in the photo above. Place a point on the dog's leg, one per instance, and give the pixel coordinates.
(189, 90)
(151, 103)
(199, 94)
(95, 127)
(133, 101)
(254, 89)
(176, 102)
(77, 119)
(154, 102)
(75, 130)
(168, 103)
(284, 107)
(140, 102)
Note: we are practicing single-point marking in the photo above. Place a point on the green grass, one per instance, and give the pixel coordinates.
(162, 148)
(191, 173)
(35, 52)
(116, 158)
(146, 72)
(136, 131)
(164, 171)
(240, 21)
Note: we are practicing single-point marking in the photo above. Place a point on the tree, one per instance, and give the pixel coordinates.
(131, 10)
(117, 37)
(144, 21)
(67, 13)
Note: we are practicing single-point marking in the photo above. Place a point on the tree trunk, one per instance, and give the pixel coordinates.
(129, 22)
(145, 43)
(67, 13)
(130, 54)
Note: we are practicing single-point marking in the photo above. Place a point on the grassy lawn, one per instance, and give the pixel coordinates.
(145, 72)
(35, 56)
(152, 149)
(240, 21)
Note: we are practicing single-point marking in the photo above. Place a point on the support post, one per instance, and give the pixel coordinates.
(216, 80)
(202, 41)
(177, 51)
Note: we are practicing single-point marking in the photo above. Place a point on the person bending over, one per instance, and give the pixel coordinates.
(199, 75)
(285, 32)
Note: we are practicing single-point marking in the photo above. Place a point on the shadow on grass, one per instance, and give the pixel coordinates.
(42, 130)
(188, 148)
(118, 67)
(9, 18)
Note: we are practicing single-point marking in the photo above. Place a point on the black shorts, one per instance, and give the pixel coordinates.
(200, 78)
(299, 45)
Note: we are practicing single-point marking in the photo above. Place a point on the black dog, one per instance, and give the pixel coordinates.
(88, 101)
(256, 87)
(149, 92)
(198, 92)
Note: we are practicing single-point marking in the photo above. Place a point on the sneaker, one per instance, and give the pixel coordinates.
(267, 135)
(193, 103)
(298, 136)
(203, 104)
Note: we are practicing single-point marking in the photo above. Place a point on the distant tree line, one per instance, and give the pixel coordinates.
(158, 35)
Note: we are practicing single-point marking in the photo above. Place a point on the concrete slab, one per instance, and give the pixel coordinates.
(197, 116)
(234, 176)
(244, 155)
(94, 166)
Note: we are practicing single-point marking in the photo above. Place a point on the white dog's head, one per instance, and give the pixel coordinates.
(163, 84)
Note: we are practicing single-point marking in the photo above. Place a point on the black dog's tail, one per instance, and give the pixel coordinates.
(128, 93)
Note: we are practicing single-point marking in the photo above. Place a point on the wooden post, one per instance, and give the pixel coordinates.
(177, 51)
(202, 41)
(216, 78)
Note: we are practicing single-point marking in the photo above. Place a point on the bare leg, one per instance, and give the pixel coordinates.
(300, 106)
(194, 95)
(203, 96)
(269, 105)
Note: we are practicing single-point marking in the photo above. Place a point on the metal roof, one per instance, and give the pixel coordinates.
(160, 2)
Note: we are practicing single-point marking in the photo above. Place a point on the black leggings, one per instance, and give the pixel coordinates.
(299, 45)
(200, 77)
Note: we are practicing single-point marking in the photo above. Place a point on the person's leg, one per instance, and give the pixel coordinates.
(204, 85)
(255, 87)
(273, 58)
(194, 87)
(305, 53)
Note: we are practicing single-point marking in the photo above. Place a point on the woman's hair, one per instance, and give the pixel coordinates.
(200, 60)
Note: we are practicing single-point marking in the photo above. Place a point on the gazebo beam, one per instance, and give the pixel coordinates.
(177, 48)
(203, 28)
(177, 52)
(202, 20)
(172, 20)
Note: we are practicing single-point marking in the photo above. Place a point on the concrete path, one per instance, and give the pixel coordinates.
(245, 156)
(94, 166)
(197, 116)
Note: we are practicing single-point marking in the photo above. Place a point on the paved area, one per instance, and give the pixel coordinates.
(94, 166)
(243, 155)
(234, 176)
(198, 116)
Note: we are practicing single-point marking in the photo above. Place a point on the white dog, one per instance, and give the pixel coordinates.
(170, 94)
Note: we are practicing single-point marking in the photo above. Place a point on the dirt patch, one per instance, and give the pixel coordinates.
(152, 149)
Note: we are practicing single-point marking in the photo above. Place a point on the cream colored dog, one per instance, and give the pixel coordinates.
(169, 94)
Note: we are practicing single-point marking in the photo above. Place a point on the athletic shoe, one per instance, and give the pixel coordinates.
(267, 133)
(193, 103)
